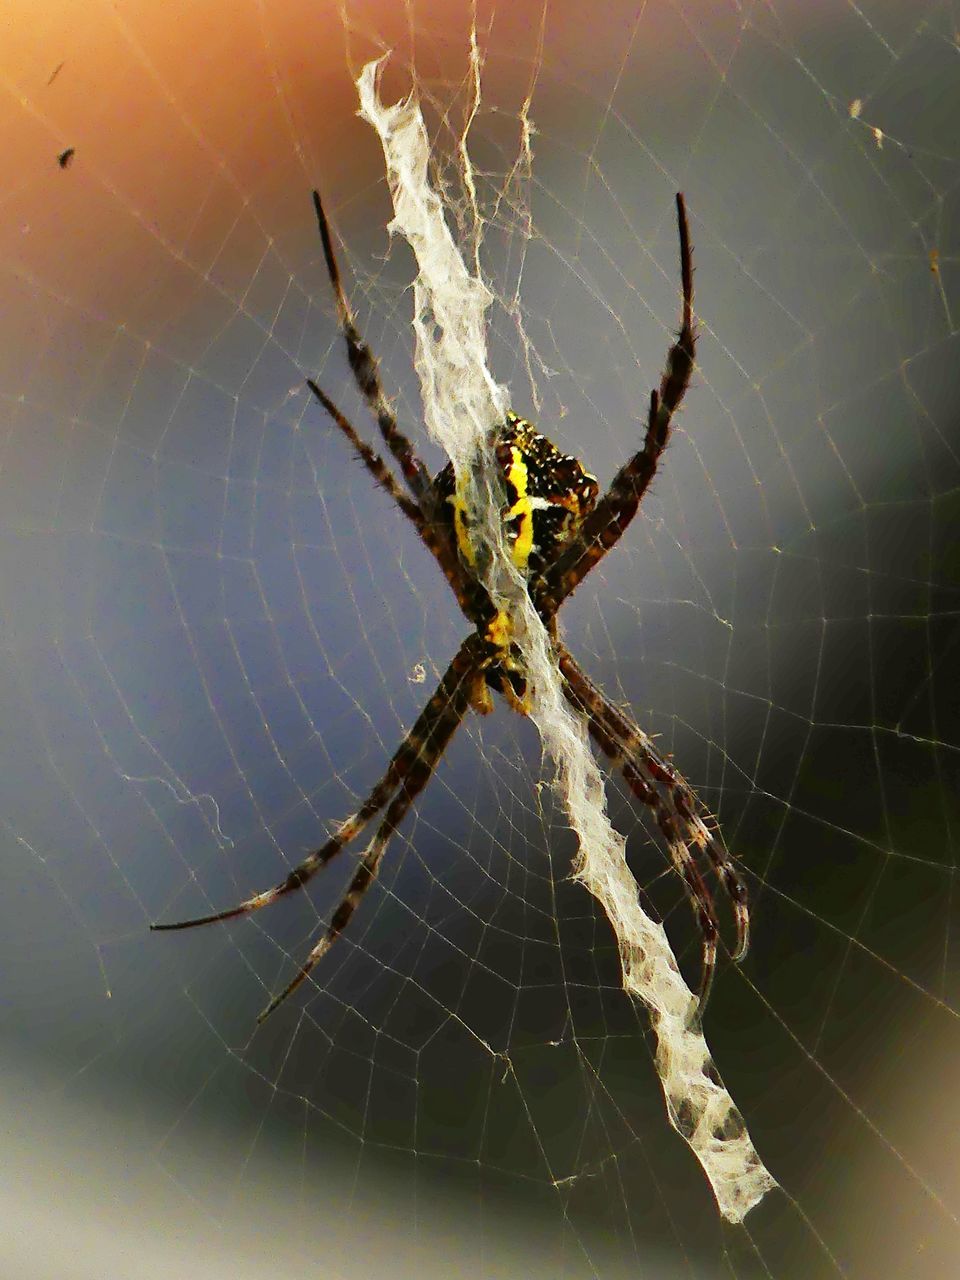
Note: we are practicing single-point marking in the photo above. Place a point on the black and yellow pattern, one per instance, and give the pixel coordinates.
(547, 495)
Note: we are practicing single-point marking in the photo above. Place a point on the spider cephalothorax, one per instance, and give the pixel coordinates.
(556, 527)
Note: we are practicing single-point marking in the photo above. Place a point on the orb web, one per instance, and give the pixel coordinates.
(215, 632)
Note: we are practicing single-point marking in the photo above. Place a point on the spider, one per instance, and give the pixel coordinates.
(556, 528)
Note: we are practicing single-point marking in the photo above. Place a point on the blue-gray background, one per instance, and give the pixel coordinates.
(214, 633)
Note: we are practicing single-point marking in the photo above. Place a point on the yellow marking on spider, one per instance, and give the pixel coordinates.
(517, 475)
(481, 699)
(499, 631)
(460, 527)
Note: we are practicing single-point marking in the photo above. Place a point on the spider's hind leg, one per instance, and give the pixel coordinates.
(684, 863)
(409, 771)
(656, 783)
(443, 724)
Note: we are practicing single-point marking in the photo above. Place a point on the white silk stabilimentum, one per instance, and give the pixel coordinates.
(461, 401)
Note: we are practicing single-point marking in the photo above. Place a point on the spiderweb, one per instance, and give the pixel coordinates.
(215, 632)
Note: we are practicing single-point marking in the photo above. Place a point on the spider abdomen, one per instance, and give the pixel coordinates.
(547, 494)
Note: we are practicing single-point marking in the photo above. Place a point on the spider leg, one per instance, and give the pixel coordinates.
(658, 784)
(371, 459)
(684, 864)
(605, 525)
(683, 799)
(434, 536)
(701, 899)
(431, 749)
(366, 375)
(450, 698)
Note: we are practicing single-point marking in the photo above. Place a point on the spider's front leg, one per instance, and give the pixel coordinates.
(605, 525)
(434, 535)
(366, 374)
(422, 509)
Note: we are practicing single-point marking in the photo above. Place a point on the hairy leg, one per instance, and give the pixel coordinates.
(451, 697)
(435, 537)
(675, 806)
(604, 526)
(366, 374)
(442, 730)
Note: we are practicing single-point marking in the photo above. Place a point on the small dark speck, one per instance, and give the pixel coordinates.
(64, 158)
(54, 73)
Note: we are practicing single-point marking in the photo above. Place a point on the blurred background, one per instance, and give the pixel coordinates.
(214, 632)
